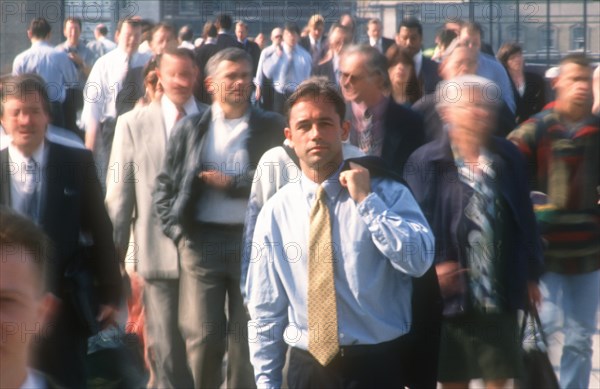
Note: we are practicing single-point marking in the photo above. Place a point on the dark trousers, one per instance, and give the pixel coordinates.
(363, 366)
(280, 103)
(61, 349)
(212, 316)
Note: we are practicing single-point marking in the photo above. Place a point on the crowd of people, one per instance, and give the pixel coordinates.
(356, 214)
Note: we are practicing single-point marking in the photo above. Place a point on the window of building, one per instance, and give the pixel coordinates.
(577, 37)
(547, 37)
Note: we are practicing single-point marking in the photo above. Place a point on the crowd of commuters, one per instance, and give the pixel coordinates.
(355, 214)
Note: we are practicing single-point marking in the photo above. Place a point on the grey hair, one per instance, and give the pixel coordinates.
(450, 91)
(232, 54)
(375, 61)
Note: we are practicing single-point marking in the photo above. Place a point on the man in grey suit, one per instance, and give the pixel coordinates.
(138, 150)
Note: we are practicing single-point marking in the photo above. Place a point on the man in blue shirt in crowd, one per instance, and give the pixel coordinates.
(332, 260)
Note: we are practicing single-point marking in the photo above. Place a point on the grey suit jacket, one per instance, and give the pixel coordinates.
(136, 159)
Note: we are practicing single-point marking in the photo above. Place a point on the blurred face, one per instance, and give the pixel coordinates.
(515, 62)
(22, 309)
(337, 39)
(317, 31)
(574, 84)
(471, 39)
(410, 39)
(400, 74)
(290, 38)
(241, 32)
(277, 36)
(461, 61)
(471, 118)
(25, 120)
(357, 84)
(129, 37)
(72, 32)
(316, 132)
(177, 76)
(231, 83)
(374, 30)
(162, 39)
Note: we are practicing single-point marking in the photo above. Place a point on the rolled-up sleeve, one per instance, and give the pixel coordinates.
(399, 229)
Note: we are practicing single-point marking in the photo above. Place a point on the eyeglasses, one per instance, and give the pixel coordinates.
(278, 36)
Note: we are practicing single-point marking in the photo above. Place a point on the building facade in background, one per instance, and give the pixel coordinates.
(546, 29)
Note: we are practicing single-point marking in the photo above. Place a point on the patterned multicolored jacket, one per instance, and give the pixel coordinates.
(564, 164)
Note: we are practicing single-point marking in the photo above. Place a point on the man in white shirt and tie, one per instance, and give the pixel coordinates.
(374, 31)
(105, 83)
(141, 138)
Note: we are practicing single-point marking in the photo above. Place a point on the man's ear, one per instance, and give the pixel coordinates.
(209, 86)
(29, 35)
(345, 130)
(47, 311)
(288, 135)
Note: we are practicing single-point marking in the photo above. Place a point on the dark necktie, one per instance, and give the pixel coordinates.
(132, 89)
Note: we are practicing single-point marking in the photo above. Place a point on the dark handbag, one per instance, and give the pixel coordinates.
(81, 292)
(538, 371)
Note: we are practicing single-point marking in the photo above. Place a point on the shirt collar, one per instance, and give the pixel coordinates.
(40, 43)
(331, 186)
(418, 60)
(34, 380)
(210, 40)
(190, 105)
(218, 114)
(18, 157)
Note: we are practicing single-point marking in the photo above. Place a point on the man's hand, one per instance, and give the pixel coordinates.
(107, 315)
(449, 274)
(76, 59)
(216, 179)
(358, 181)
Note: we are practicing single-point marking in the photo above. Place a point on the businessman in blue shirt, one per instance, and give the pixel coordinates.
(365, 236)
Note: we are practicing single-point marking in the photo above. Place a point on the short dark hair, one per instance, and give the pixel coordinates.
(576, 58)
(39, 28)
(292, 27)
(224, 20)
(412, 23)
(102, 30)
(163, 26)
(506, 51)
(318, 87)
(209, 30)
(472, 27)
(73, 19)
(178, 52)
(19, 86)
(18, 232)
(186, 33)
(135, 22)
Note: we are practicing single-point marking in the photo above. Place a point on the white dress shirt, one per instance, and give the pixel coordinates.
(34, 380)
(224, 150)
(105, 82)
(170, 112)
(418, 60)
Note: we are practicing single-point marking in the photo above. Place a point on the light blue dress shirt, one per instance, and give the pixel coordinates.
(275, 67)
(379, 245)
(491, 69)
(87, 56)
(52, 65)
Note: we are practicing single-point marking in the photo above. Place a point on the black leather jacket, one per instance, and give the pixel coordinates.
(178, 185)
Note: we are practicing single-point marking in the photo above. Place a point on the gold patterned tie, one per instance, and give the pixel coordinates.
(323, 341)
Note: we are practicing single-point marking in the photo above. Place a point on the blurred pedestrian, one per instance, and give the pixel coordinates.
(474, 191)
(561, 146)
